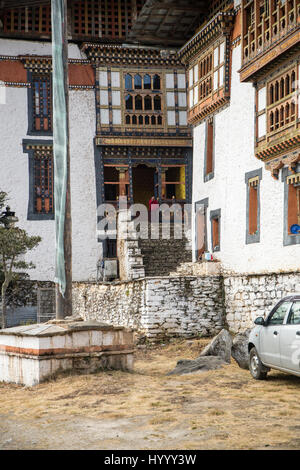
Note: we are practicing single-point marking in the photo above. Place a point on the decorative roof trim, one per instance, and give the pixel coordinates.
(208, 110)
(291, 160)
(102, 53)
(271, 152)
(221, 22)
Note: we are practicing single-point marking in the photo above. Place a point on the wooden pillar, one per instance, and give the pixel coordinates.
(163, 183)
(122, 181)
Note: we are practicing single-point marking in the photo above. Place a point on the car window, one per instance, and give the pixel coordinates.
(279, 314)
(294, 316)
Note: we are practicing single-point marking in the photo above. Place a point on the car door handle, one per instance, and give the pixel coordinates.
(298, 333)
(275, 333)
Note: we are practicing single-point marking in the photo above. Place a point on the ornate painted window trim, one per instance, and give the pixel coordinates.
(252, 180)
(44, 99)
(150, 102)
(143, 99)
(30, 147)
(266, 34)
(276, 112)
(208, 59)
(288, 238)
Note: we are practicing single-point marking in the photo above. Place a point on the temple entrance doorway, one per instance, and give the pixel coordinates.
(143, 183)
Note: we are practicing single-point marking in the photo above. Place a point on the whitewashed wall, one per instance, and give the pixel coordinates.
(234, 156)
(18, 47)
(14, 174)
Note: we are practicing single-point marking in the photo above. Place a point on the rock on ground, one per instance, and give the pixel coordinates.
(239, 350)
(200, 364)
(219, 346)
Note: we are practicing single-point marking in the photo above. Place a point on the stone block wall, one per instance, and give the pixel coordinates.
(178, 305)
(183, 306)
(117, 303)
(248, 297)
(159, 307)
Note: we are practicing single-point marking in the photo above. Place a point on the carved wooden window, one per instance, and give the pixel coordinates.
(207, 75)
(89, 18)
(128, 82)
(103, 18)
(28, 20)
(148, 102)
(156, 82)
(147, 82)
(141, 107)
(129, 102)
(43, 183)
(138, 103)
(218, 5)
(137, 82)
(157, 103)
(265, 22)
(41, 103)
(281, 102)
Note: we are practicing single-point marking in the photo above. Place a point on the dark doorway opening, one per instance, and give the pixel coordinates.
(143, 181)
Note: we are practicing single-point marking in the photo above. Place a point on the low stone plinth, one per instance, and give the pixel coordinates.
(30, 354)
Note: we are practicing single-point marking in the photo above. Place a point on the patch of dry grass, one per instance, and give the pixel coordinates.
(218, 409)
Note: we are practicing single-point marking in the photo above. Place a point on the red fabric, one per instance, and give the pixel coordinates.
(153, 205)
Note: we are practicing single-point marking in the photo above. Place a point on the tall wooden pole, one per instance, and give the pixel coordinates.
(64, 302)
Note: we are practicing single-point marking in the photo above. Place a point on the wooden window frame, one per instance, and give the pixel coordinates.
(43, 185)
(284, 106)
(291, 205)
(203, 83)
(40, 201)
(139, 117)
(215, 221)
(40, 115)
(209, 150)
(264, 27)
(253, 208)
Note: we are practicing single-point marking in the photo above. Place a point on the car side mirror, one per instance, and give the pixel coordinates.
(259, 321)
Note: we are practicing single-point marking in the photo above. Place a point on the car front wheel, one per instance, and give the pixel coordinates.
(256, 367)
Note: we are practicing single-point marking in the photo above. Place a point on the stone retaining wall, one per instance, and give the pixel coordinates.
(179, 305)
(159, 307)
(248, 297)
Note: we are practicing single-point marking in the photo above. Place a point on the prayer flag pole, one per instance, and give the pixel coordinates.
(61, 152)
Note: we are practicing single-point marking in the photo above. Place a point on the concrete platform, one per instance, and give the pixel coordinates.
(30, 354)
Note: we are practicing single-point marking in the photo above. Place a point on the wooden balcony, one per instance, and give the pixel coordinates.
(267, 33)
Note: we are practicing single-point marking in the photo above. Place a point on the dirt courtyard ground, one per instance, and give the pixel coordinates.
(223, 409)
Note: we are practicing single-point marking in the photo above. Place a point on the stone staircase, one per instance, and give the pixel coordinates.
(162, 256)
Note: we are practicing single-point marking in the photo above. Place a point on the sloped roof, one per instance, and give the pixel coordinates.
(163, 22)
(170, 22)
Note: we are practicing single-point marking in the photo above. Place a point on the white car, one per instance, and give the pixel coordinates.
(274, 343)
